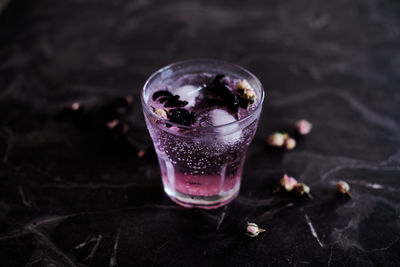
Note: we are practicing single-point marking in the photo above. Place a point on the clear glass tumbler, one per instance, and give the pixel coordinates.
(201, 166)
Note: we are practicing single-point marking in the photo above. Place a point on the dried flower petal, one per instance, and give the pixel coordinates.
(253, 230)
(75, 106)
(129, 99)
(343, 188)
(290, 143)
(162, 112)
(247, 92)
(303, 127)
(141, 153)
(288, 182)
(277, 139)
(112, 124)
(302, 189)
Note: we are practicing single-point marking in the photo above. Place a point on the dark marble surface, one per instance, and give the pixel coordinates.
(71, 194)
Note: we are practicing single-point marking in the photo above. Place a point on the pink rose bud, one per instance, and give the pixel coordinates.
(253, 230)
(303, 127)
(129, 99)
(343, 188)
(112, 124)
(247, 92)
(290, 143)
(141, 153)
(277, 139)
(288, 182)
(75, 106)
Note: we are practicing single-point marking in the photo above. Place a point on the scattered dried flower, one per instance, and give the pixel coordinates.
(253, 230)
(75, 106)
(343, 188)
(288, 182)
(303, 127)
(302, 189)
(141, 153)
(112, 124)
(290, 143)
(129, 99)
(277, 139)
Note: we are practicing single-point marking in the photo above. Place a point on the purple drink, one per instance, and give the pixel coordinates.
(202, 116)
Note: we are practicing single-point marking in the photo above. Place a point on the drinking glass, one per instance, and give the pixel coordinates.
(201, 166)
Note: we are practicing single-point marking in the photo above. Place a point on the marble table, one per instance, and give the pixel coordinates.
(74, 193)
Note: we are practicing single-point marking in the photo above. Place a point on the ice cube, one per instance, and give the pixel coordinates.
(188, 93)
(228, 134)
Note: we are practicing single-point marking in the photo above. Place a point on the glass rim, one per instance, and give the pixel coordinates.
(205, 60)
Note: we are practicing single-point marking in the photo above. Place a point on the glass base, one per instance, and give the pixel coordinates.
(203, 202)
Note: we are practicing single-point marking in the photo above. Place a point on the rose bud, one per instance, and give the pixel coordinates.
(141, 153)
(253, 230)
(277, 139)
(288, 182)
(343, 188)
(162, 112)
(302, 189)
(247, 92)
(112, 124)
(290, 143)
(303, 127)
(128, 99)
(75, 106)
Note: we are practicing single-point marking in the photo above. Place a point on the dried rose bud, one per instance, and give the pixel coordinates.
(303, 127)
(129, 99)
(290, 143)
(141, 153)
(277, 139)
(302, 189)
(253, 230)
(112, 124)
(248, 93)
(75, 106)
(162, 112)
(288, 182)
(343, 188)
